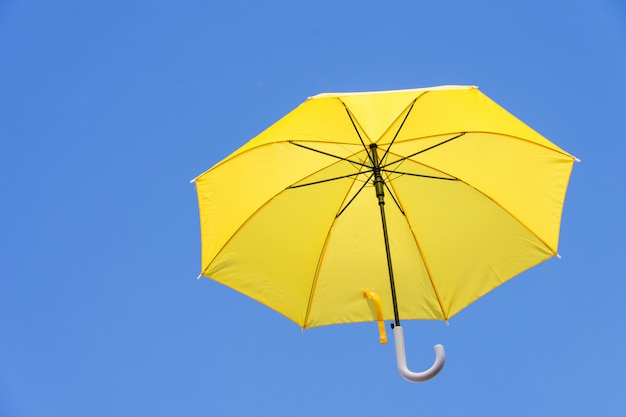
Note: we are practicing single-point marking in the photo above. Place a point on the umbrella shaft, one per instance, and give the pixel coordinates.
(389, 266)
(379, 185)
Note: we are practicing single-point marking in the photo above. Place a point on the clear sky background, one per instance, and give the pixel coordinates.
(108, 109)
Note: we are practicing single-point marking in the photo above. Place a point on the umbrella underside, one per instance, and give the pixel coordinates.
(293, 219)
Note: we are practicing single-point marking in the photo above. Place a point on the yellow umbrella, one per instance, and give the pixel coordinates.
(383, 205)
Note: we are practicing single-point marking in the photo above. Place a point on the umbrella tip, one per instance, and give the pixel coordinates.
(576, 159)
(193, 180)
(199, 276)
(557, 255)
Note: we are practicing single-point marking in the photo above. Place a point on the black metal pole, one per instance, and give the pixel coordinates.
(379, 185)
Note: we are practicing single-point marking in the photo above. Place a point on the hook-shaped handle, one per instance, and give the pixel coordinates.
(398, 335)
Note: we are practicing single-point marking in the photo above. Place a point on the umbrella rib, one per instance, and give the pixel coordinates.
(478, 190)
(426, 266)
(398, 131)
(271, 198)
(353, 120)
(424, 150)
(392, 194)
(355, 195)
(420, 175)
(452, 177)
(530, 142)
(327, 153)
(524, 225)
(354, 174)
(357, 164)
(323, 253)
(532, 232)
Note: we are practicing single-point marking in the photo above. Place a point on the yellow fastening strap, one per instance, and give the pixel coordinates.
(379, 314)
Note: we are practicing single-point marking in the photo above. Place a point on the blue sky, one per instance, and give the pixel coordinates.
(108, 109)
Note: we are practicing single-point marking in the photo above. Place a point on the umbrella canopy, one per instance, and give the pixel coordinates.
(469, 197)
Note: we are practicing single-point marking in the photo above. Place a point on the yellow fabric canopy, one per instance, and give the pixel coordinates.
(472, 197)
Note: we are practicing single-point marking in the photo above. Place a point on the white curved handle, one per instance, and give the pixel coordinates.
(440, 360)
